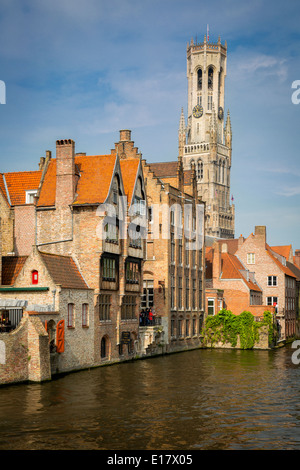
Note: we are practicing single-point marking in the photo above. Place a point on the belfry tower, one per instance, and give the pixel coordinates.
(204, 141)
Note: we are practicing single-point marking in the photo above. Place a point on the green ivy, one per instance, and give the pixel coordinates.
(227, 327)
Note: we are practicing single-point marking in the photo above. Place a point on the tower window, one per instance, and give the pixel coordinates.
(199, 77)
(200, 170)
(210, 78)
(209, 102)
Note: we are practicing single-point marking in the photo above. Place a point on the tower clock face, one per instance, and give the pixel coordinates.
(220, 113)
(197, 111)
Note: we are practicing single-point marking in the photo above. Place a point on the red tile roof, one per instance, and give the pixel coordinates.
(164, 169)
(11, 267)
(18, 183)
(93, 185)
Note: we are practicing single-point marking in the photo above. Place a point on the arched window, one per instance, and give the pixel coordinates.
(199, 78)
(210, 78)
(103, 347)
(200, 170)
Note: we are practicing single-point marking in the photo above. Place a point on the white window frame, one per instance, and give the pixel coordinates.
(250, 258)
(210, 306)
(30, 195)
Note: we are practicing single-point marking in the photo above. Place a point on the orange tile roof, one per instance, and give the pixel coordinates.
(231, 269)
(129, 169)
(283, 250)
(11, 266)
(20, 182)
(93, 185)
(283, 268)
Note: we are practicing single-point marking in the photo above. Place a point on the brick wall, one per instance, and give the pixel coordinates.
(26, 353)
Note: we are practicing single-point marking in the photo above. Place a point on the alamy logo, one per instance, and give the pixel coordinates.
(175, 222)
(295, 95)
(296, 354)
(2, 352)
(2, 92)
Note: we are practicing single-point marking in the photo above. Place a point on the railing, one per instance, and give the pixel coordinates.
(146, 322)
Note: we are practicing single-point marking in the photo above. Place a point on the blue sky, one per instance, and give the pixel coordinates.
(85, 70)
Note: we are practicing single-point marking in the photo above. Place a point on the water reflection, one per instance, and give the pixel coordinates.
(201, 399)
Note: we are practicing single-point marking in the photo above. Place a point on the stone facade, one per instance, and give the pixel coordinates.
(203, 140)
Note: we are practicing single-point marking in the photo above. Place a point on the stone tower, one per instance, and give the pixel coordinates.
(204, 141)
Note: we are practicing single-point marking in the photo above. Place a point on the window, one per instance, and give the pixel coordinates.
(187, 327)
(30, 196)
(209, 102)
(211, 306)
(85, 309)
(180, 332)
(128, 307)
(210, 78)
(172, 326)
(199, 79)
(139, 206)
(272, 301)
(115, 197)
(132, 272)
(172, 291)
(194, 295)
(194, 326)
(200, 294)
(200, 170)
(180, 292)
(172, 248)
(111, 233)
(104, 307)
(148, 292)
(272, 280)
(180, 251)
(109, 269)
(103, 347)
(71, 316)
(187, 293)
(250, 258)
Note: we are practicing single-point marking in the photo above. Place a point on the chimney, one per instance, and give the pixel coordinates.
(240, 240)
(217, 260)
(297, 258)
(261, 232)
(125, 135)
(65, 172)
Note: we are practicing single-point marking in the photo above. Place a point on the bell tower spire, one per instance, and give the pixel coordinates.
(208, 139)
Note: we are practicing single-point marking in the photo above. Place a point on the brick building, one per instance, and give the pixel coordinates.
(173, 271)
(272, 273)
(51, 287)
(236, 285)
(81, 212)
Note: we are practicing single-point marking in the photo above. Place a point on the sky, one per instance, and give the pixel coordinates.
(85, 70)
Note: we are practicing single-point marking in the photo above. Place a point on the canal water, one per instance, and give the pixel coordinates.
(201, 399)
